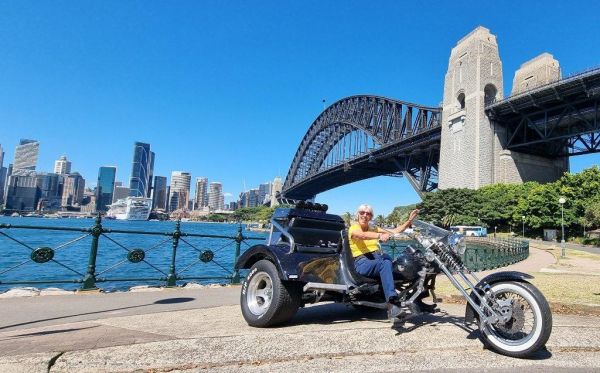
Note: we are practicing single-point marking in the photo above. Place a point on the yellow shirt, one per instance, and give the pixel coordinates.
(358, 246)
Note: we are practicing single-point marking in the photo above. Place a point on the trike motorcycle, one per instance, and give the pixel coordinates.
(307, 259)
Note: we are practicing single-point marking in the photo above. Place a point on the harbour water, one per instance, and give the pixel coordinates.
(70, 262)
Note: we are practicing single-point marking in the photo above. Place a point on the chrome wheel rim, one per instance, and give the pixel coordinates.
(260, 294)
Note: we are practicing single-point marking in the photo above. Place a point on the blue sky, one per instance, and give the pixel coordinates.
(226, 90)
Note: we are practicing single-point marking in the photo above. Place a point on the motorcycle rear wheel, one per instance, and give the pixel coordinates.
(530, 326)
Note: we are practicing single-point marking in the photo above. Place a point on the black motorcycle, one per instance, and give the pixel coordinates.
(307, 259)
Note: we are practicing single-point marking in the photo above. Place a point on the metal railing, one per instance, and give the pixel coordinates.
(482, 253)
(127, 255)
(485, 253)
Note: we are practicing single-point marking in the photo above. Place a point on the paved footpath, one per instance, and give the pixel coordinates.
(196, 330)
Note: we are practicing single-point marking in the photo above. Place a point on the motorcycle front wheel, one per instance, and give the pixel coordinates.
(529, 326)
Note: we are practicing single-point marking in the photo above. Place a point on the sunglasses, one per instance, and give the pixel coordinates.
(364, 213)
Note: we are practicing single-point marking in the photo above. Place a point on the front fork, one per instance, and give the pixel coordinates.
(487, 314)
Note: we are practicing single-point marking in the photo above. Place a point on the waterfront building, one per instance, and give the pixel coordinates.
(180, 190)
(201, 199)
(62, 166)
(143, 160)
(121, 192)
(2, 176)
(105, 187)
(233, 205)
(264, 193)
(72, 191)
(150, 175)
(21, 192)
(26, 155)
(277, 188)
(159, 193)
(215, 196)
(49, 191)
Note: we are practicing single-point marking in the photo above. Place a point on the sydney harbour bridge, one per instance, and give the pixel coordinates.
(545, 119)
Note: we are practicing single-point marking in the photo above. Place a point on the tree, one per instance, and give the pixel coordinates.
(592, 213)
(347, 218)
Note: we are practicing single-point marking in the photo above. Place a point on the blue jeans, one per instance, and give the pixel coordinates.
(380, 266)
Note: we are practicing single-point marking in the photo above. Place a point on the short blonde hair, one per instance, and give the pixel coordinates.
(363, 207)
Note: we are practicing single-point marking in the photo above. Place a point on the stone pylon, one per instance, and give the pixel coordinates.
(472, 154)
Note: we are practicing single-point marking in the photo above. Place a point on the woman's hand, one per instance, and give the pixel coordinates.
(384, 237)
(413, 215)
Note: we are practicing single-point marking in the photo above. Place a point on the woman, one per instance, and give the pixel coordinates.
(369, 260)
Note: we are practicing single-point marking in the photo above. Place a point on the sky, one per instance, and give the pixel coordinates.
(226, 90)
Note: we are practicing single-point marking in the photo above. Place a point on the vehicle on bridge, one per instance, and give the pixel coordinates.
(469, 230)
(307, 259)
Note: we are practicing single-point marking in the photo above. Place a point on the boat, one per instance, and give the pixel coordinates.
(258, 227)
(130, 208)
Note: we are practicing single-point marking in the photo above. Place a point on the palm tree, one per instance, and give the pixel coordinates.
(347, 218)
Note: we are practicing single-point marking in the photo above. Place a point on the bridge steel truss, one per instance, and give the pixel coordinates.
(360, 137)
(558, 119)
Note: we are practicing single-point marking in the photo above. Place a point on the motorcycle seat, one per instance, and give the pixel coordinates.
(347, 261)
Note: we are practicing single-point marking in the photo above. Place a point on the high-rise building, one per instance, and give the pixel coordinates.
(105, 187)
(2, 176)
(121, 192)
(277, 187)
(201, 199)
(150, 175)
(26, 155)
(140, 183)
(159, 193)
(73, 188)
(48, 191)
(215, 196)
(264, 193)
(62, 166)
(180, 190)
(21, 192)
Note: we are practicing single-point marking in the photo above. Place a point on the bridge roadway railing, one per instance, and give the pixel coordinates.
(161, 253)
(482, 253)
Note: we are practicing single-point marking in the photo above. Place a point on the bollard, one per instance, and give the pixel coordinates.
(89, 281)
(235, 279)
(172, 277)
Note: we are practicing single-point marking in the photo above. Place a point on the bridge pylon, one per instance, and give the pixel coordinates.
(473, 152)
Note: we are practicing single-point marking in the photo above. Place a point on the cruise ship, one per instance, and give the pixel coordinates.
(130, 208)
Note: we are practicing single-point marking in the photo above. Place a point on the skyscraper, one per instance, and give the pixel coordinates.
(140, 172)
(150, 175)
(73, 187)
(264, 193)
(26, 155)
(215, 196)
(2, 175)
(180, 190)
(159, 193)
(21, 192)
(105, 187)
(201, 199)
(48, 191)
(62, 166)
(277, 187)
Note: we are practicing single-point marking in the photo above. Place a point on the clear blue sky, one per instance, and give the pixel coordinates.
(226, 90)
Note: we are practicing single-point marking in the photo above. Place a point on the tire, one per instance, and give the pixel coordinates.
(513, 338)
(266, 300)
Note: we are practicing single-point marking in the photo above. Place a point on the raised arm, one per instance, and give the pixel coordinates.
(402, 227)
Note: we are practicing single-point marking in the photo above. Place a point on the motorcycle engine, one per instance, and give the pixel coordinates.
(408, 264)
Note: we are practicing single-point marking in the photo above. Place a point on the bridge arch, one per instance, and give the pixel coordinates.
(353, 130)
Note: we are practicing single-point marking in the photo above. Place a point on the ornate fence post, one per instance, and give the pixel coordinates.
(89, 281)
(238, 241)
(172, 277)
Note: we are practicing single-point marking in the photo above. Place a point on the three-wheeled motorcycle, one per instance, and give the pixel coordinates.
(307, 259)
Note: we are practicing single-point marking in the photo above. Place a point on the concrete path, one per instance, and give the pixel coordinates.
(200, 329)
(324, 337)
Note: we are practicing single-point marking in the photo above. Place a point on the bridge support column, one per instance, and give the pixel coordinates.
(472, 152)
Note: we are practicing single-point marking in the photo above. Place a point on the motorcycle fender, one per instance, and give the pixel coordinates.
(470, 313)
(259, 252)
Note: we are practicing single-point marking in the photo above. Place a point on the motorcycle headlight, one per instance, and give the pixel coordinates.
(457, 242)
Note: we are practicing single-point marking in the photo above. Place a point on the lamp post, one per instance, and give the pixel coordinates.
(562, 201)
(523, 217)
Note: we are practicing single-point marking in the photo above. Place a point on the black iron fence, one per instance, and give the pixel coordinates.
(160, 252)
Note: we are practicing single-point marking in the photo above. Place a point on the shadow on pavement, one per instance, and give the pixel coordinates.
(174, 300)
(162, 301)
(48, 332)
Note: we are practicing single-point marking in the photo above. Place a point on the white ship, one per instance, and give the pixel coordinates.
(130, 208)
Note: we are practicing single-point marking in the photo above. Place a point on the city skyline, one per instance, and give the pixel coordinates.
(227, 91)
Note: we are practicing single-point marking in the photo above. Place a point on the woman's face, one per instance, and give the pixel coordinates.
(364, 216)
